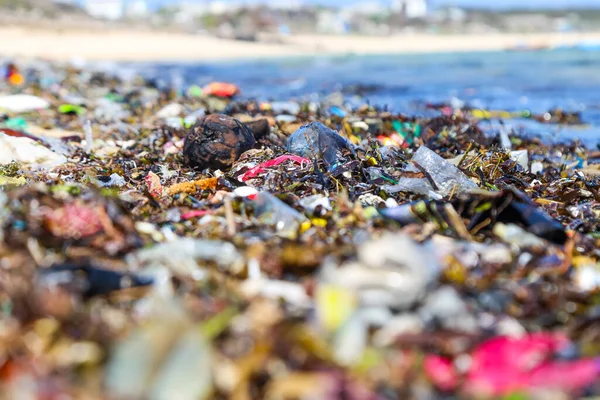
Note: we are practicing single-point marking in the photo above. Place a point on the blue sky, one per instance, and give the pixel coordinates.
(565, 4)
(522, 3)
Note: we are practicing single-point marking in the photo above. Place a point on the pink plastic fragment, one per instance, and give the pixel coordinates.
(74, 221)
(194, 214)
(566, 375)
(441, 371)
(255, 171)
(153, 183)
(495, 381)
(523, 353)
(504, 365)
(447, 111)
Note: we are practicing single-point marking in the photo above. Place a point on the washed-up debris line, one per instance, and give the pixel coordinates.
(163, 244)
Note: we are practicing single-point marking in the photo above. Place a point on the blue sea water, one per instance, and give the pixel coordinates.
(537, 81)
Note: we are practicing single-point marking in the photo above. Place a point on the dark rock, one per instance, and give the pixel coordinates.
(90, 281)
(315, 140)
(216, 141)
(259, 128)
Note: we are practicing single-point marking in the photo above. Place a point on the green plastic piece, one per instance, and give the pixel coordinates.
(417, 130)
(398, 127)
(195, 91)
(407, 130)
(117, 98)
(16, 123)
(71, 109)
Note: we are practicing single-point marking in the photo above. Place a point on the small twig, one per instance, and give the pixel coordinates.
(35, 251)
(495, 168)
(480, 226)
(452, 192)
(411, 174)
(465, 155)
(338, 184)
(569, 248)
(427, 175)
(456, 221)
(229, 217)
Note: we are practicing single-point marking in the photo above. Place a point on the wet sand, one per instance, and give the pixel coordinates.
(156, 46)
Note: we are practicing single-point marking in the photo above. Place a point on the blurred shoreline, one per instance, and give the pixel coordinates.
(134, 45)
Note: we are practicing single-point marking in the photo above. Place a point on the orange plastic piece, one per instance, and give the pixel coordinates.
(221, 89)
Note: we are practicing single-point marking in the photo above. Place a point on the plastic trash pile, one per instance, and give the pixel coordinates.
(164, 244)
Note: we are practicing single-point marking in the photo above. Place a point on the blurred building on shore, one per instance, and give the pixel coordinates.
(411, 9)
(105, 9)
(332, 22)
(137, 9)
(253, 19)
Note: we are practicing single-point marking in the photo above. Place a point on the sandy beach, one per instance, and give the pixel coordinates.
(124, 45)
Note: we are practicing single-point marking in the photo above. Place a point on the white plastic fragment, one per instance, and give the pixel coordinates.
(165, 357)
(166, 173)
(350, 341)
(89, 136)
(133, 361)
(375, 316)
(285, 118)
(370, 200)
(108, 110)
(446, 306)
(310, 203)
(508, 326)
(20, 103)
(361, 125)
(174, 122)
(170, 111)
(391, 202)
(272, 211)
(180, 255)
(515, 235)
(186, 373)
(392, 271)
(521, 157)
(244, 191)
(587, 277)
(292, 293)
(447, 177)
(113, 180)
(280, 107)
(537, 167)
(396, 326)
(193, 117)
(28, 151)
(505, 142)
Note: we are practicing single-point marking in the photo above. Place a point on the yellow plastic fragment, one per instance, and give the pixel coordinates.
(7, 180)
(354, 139)
(320, 222)
(371, 359)
(482, 114)
(334, 306)
(265, 107)
(580, 261)
(370, 212)
(305, 226)
(455, 271)
(487, 114)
